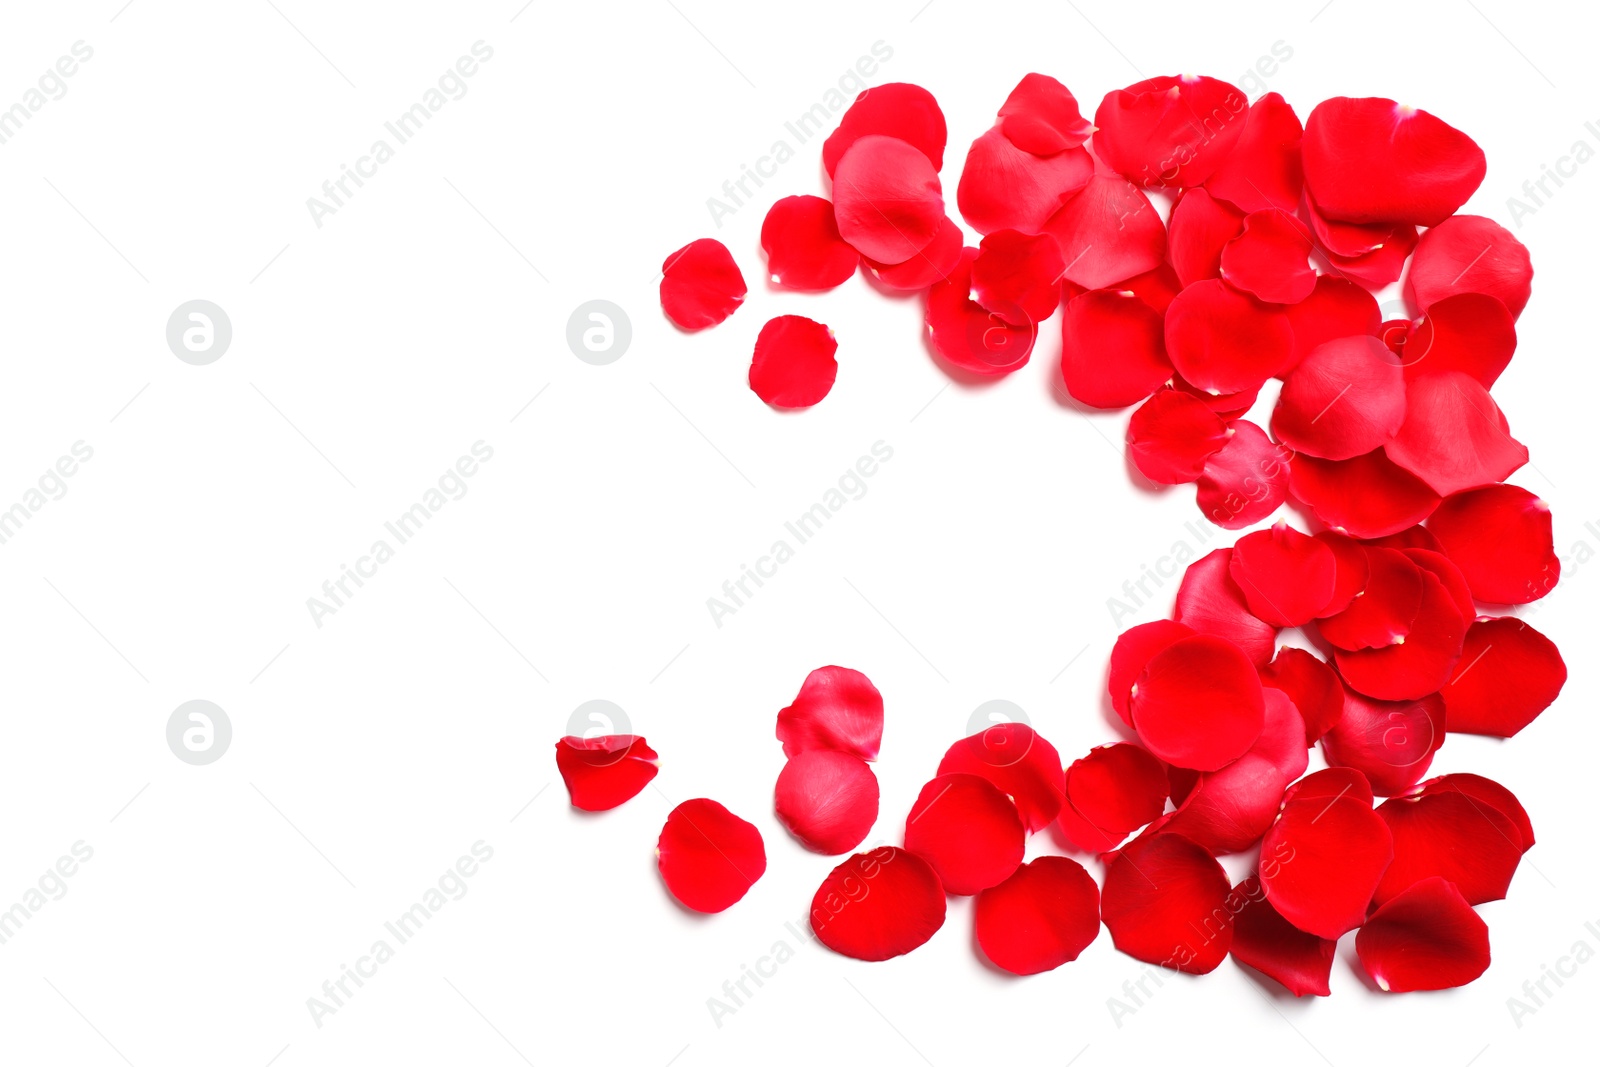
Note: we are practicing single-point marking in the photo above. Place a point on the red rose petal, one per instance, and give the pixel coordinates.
(1337, 307)
(1210, 602)
(603, 772)
(968, 831)
(1412, 537)
(1269, 943)
(837, 708)
(1113, 351)
(1343, 400)
(1348, 240)
(1438, 564)
(1004, 187)
(1324, 856)
(1471, 254)
(886, 198)
(1018, 276)
(1391, 742)
(1228, 406)
(1171, 436)
(1354, 570)
(1507, 674)
(1487, 793)
(1132, 652)
(1118, 787)
(1245, 480)
(1041, 116)
(877, 905)
(1108, 231)
(793, 364)
(1199, 228)
(708, 856)
(1500, 536)
(1169, 131)
(1383, 265)
(1372, 160)
(1155, 287)
(1311, 685)
(803, 246)
(828, 800)
(1263, 170)
(1198, 703)
(1384, 611)
(1044, 915)
(1084, 835)
(1018, 762)
(1287, 577)
(1426, 938)
(897, 109)
(1225, 341)
(930, 266)
(968, 337)
(1418, 664)
(700, 285)
(1270, 258)
(1468, 332)
(1165, 903)
(1454, 436)
(1368, 496)
(1449, 835)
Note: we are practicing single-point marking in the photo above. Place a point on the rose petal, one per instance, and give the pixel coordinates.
(1354, 570)
(1107, 231)
(1418, 664)
(1004, 187)
(1228, 406)
(793, 365)
(1368, 496)
(1324, 856)
(1384, 611)
(932, 265)
(1018, 276)
(1044, 915)
(1469, 332)
(1337, 307)
(1113, 351)
(1391, 742)
(1383, 265)
(1210, 602)
(1041, 116)
(1225, 341)
(1449, 835)
(1171, 436)
(1500, 536)
(1132, 652)
(700, 285)
(966, 336)
(1471, 254)
(1454, 436)
(1269, 943)
(1018, 762)
(1425, 938)
(1118, 787)
(1270, 258)
(708, 856)
(603, 772)
(1245, 480)
(1263, 170)
(1165, 903)
(1343, 400)
(1287, 577)
(1311, 685)
(803, 246)
(827, 800)
(968, 831)
(878, 904)
(837, 708)
(1155, 287)
(897, 109)
(1199, 228)
(1169, 131)
(1487, 793)
(1507, 674)
(1198, 703)
(1439, 565)
(886, 198)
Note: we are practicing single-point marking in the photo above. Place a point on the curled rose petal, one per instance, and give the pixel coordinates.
(1107, 231)
(1384, 611)
(1439, 565)
(1311, 685)
(1229, 406)
(1084, 835)
(1419, 663)
(1270, 258)
(1322, 859)
(1383, 265)
(1169, 131)
(803, 246)
(1118, 787)
(1454, 436)
(1354, 570)
(827, 800)
(603, 772)
(1348, 240)
(1367, 496)
(886, 199)
(1198, 703)
(1337, 307)
(878, 904)
(1018, 276)
(1428, 937)
(1165, 902)
(837, 708)
(1171, 436)
(968, 831)
(1018, 762)
(1245, 480)
(1132, 651)
(1044, 915)
(1113, 351)
(1266, 941)
(1373, 160)
(1263, 170)
(930, 266)
(1500, 536)
(708, 856)
(1469, 332)
(1155, 287)
(1343, 400)
(1041, 116)
(1287, 577)
(1507, 674)
(897, 109)
(1487, 793)
(1391, 742)
(1199, 229)
(701, 285)
(1471, 254)
(1225, 341)
(968, 337)
(793, 365)
(1449, 835)
(1004, 187)
(1210, 602)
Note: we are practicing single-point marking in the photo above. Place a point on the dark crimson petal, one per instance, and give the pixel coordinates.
(1454, 436)
(701, 285)
(1199, 228)
(1322, 859)
(1344, 400)
(1420, 663)
(1391, 742)
(1132, 651)
(1354, 570)
(708, 856)
(968, 831)
(1336, 308)
(837, 708)
(897, 109)
(1487, 793)
(1368, 496)
(1384, 611)
(1018, 276)
(1118, 787)
(1266, 941)
(1198, 703)
(886, 199)
(1270, 259)
(1225, 341)
(603, 772)
(1312, 687)
(1471, 254)
(1004, 187)
(877, 905)
(793, 364)
(803, 246)
(930, 266)
(1018, 762)
(1449, 835)
(1245, 480)
(1041, 116)
(1113, 351)
(1171, 436)
(1469, 332)
(1500, 536)
(1287, 577)
(1426, 938)
(966, 336)
(1507, 674)
(1263, 170)
(1383, 265)
(1169, 131)
(1108, 231)
(828, 800)
(1438, 564)
(1210, 602)
(1165, 902)
(1373, 160)
(1044, 915)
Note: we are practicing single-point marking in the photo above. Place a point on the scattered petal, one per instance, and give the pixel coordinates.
(1507, 674)
(1266, 941)
(793, 365)
(603, 772)
(1225, 341)
(886, 199)
(1113, 351)
(1171, 436)
(828, 800)
(701, 285)
(1210, 602)
(803, 246)
(1500, 536)
(968, 831)
(1245, 480)
(837, 708)
(1044, 915)
(877, 905)
(708, 856)
(896, 109)
(1018, 762)
(1041, 116)
(1343, 400)
(1471, 254)
(1198, 703)
(1428, 937)
(1165, 903)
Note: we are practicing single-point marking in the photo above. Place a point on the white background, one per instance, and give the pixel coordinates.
(370, 753)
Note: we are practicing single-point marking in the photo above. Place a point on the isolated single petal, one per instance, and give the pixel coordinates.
(794, 365)
(1165, 901)
(708, 856)
(1507, 674)
(1044, 915)
(878, 904)
(837, 708)
(1426, 938)
(603, 772)
(1500, 536)
(803, 246)
(968, 831)
(701, 285)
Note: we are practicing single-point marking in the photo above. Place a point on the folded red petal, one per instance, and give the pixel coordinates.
(1367, 496)
(1018, 276)
(1270, 259)
(1132, 652)
(968, 831)
(1287, 577)
(1225, 341)
(1245, 480)
(897, 109)
(708, 856)
(886, 198)
(1383, 265)
(603, 772)
(878, 904)
(1428, 937)
(1041, 116)
(700, 285)
(1343, 400)
(1107, 231)
(793, 365)
(1454, 436)
(1165, 902)
(968, 337)
(1198, 703)
(1323, 858)
(1169, 131)
(1500, 536)
(828, 800)
(1263, 170)
(1384, 611)
(1311, 685)
(1391, 742)
(1004, 187)
(1486, 793)
(1199, 228)
(1113, 351)
(1354, 570)
(1269, 943)
(1044, 915)
(837, 708)
(930, 266)
(1448, 834)
(1471, 254)
(1507, 674)
(1468, 332)
(1018, 762)
(1171, 435)
(1118, 787)
(803, 246)
(1418, 664)
(1210, 602)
